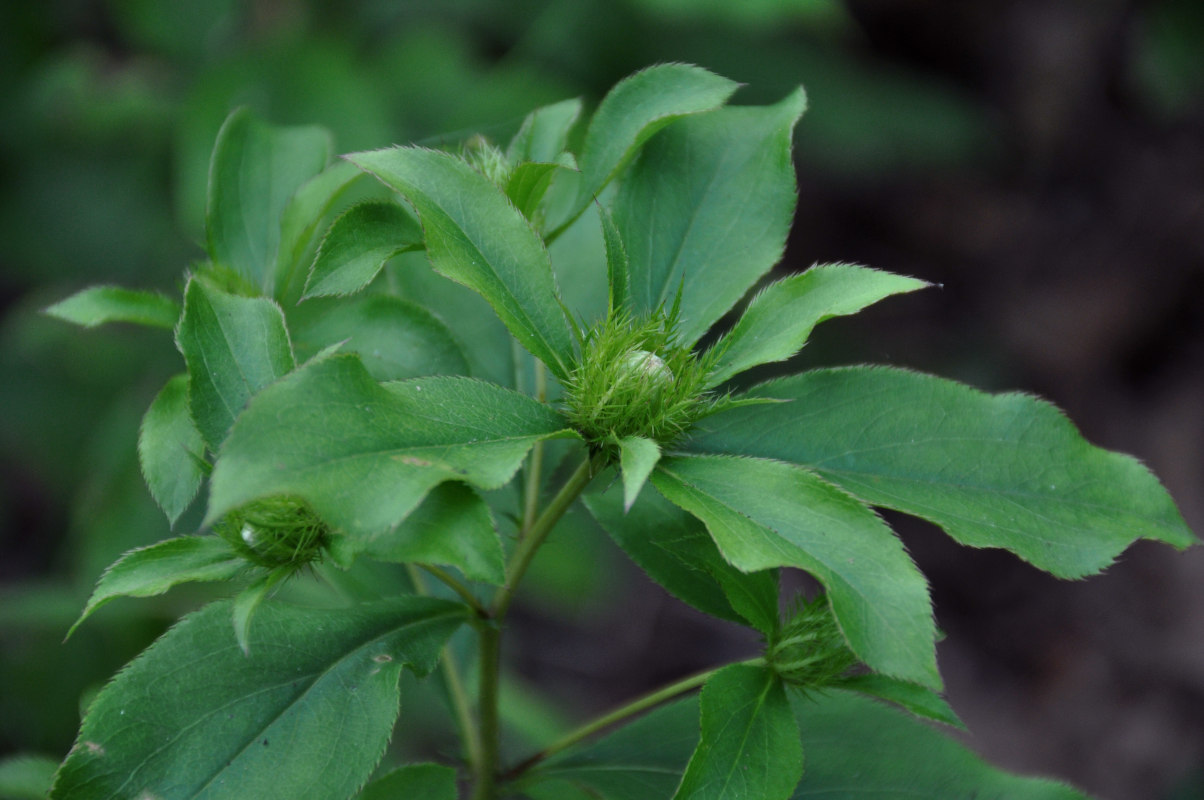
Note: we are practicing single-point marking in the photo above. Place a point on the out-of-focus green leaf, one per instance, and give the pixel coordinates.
(1004, 470)
(26, 777)
(233, 346)
(476, 237)
(154, 569)
(100, 304)
(358, 244)
(765, 514)
(255, 171)
(750, 742)
(707, 207)
(171, 450)
(195, 717)
(413, 782)
(778, 321)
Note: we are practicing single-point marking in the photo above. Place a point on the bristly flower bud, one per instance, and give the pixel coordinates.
(276, 532)
(810, 652)
(483, 156)
(633, 379)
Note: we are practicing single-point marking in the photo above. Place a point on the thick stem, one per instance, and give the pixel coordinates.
(486, 767)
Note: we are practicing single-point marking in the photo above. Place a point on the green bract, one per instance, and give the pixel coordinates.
(434, 373)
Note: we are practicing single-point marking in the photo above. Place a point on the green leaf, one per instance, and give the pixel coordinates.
(766, 514)
(778, 321)
(194, 717)
(750, 742)
(916, 699)
(26, 777)
(247, 602)
(477, 238)
(529, 183)
(255, 171)
(453, 527)
(364, 455)
(154, 569)
(395, 339)
(636, 108)
(413, 782)
(618, 266)
(859, 747)
(300, 220)
(707, 206)
(1004, 470)
(674, 549)
(358, 244)
(171, 450)
(233, 346)
(97, 305)
(637, 457)
(544, 133)
(642, 760)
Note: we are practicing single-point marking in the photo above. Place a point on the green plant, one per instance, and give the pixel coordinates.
(398, 412)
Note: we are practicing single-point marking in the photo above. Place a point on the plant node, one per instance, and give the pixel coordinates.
(810, 651)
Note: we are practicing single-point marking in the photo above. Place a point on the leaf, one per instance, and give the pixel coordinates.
(618, 266)
(673, 548)
(707, 206)
(544, 133)
(97, 305)
(247, 602)
(636, 108)
(453, 527)
(413, 782)
(859, 747)
(300, 219)
(916, 699)
(637, 457)
(364, 455)
(233, 346)
(1004, 470)
(750, 742)
(171, 450)
(477, 238)
(395, 339)
(255, 171)
(778, 321)
(26, 777)
(152, 570)
(306, 716)
(358, 244)
(642, 760)
(528, 185)
(765, 514)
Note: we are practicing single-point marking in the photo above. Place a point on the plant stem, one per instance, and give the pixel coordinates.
(534, 470)
(642, 703)
(486, 767)
(454, 584)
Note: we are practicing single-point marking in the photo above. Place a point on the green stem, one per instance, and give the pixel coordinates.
(486, 767)
(535, 469)
(619, 714)
(454, 584)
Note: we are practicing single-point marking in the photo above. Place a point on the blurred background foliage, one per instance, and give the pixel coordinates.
(1042, 159)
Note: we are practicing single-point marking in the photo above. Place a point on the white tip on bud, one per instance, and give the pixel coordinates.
(646, 364)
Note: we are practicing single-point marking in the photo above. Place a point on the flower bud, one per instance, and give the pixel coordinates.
(276, 532)
(810, 651)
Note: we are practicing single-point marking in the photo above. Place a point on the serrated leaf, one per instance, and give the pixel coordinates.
(636, 108)
(194, 717)
(918, 700)
(673, 548)
(779, 320)
(1004, 470)
(97, 305)
(255, 170)
(26, 777)
(364, 455)
(358, 244)
(750, 742)
(861, 747)
(637, 457)
(413, 782)
(544, 132)
(171, 449)
(154, 569)
(618, 266)
(528, 186)
(644, 759)
(305, 209)
(394, 338)
(707, 206)
(765, 514)
(477, 238)
(233, 346)
(453, 527)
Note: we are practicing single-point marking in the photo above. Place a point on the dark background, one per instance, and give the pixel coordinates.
(1041, 160)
